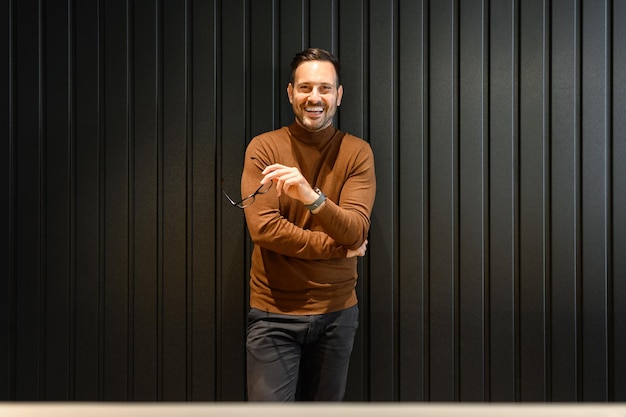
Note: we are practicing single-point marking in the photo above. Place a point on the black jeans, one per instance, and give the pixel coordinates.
(307, 355)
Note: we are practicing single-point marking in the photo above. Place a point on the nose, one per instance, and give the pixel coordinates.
(314, 95)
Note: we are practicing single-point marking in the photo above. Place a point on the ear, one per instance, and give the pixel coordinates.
(339, 95)
(290, 92)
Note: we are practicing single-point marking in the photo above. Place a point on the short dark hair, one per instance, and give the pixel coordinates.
(314, 54)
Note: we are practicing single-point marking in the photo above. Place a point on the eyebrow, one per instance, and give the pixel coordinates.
(305, 83)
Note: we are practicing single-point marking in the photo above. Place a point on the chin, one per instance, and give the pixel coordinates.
(314, 126)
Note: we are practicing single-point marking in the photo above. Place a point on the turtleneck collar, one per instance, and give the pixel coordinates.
(312, 138)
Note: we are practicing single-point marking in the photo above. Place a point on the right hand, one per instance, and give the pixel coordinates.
(291, 181)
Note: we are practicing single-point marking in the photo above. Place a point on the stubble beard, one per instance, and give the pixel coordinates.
(316, 125)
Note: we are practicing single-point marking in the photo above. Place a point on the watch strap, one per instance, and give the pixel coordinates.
(317, 203)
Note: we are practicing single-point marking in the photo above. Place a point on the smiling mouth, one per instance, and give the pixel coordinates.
(314, 110)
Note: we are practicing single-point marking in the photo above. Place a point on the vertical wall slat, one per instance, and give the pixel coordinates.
(323, 24)
(190, 208)
(145, 250)
(174, 203)
(473, 181)
(413, 196)
(205, 193)
(234, 278)
(618, 193)
(7, 188)
(533, 170)
(88, 158)
(115, 116)
(28, 204)
(57, 194)
(263, 85)
(503, 216)
(595, 159)
(565, 214)
(443, 201)
(383, 139)
(130, 131)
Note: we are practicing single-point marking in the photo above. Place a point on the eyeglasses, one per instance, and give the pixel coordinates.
(249, 199)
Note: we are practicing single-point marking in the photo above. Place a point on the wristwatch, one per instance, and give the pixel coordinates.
(317, 203)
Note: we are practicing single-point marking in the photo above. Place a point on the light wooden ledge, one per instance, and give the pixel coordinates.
(105, 409)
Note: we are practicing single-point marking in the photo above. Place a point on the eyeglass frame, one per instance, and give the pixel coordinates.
(240, 204)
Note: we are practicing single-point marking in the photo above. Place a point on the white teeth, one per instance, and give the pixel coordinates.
(314, 109)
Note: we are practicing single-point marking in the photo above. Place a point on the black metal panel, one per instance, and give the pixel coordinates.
(7, 209)
(58, 199)
(413, 196)
(533, 202)
(29, 217)
(617, 372)
(473, 198)
(565, 208)
(88, 169)
(353, 49)
(494, 270)
(207, 199)
(233, 138)
(503, 196)
(266, 93)
(116, 273)
(174, 150)
(323, 24)
(443, 201)
(595, 163)
(144, 202)
(383, 139)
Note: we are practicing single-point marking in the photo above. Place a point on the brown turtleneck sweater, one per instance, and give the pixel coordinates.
(299, 263)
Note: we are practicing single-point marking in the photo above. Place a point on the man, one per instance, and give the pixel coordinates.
(310, 190)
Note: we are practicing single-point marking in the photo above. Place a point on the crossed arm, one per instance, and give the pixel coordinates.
(343, 228)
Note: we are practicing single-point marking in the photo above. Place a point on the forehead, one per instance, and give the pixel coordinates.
(315, 72)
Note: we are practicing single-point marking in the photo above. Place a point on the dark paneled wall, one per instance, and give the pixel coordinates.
(496, 268)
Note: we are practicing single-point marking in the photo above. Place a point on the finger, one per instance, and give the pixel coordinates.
(292, 181)
(272, 174)
(289, 180)
(278, 177)
(273, 167)
(269, 174)
(282, 174)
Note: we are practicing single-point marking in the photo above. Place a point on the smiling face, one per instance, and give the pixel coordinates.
(314, 95)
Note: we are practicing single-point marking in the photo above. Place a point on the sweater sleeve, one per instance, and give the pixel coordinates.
(271, 230)
(347, 219)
